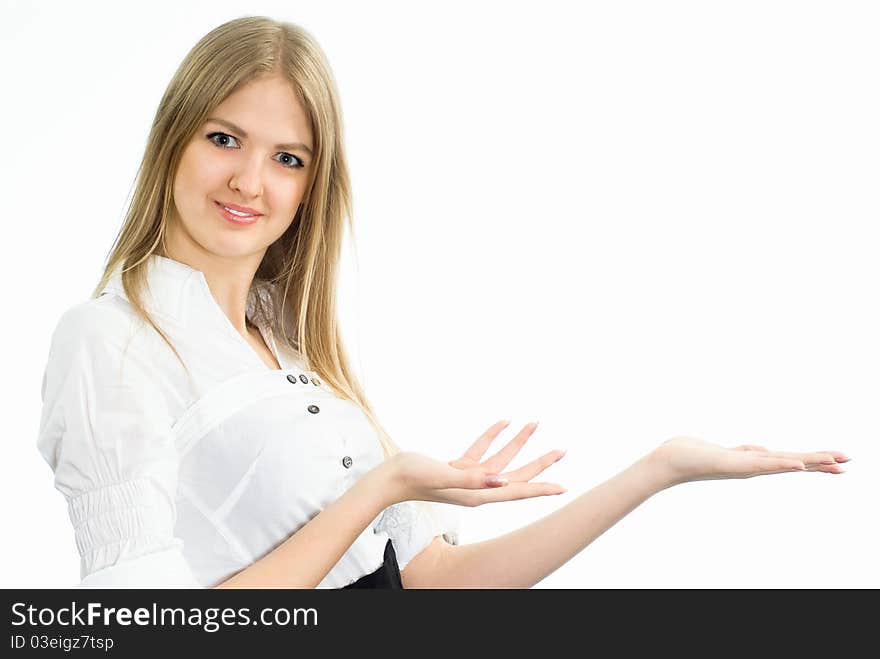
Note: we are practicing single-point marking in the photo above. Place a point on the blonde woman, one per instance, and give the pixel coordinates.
(200, 413)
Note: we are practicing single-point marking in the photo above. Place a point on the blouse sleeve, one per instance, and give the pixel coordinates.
(105, 430)
(413, 525)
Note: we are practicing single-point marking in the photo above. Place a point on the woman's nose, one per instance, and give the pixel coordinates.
(248, 179)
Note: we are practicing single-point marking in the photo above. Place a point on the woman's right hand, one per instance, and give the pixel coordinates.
(464, 481)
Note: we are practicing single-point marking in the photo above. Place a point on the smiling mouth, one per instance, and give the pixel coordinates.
(234, 216)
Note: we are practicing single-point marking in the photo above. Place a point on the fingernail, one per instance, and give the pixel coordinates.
(495, 481)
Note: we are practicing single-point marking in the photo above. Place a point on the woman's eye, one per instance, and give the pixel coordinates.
(220, 135)
(295, 163)
(292, 163)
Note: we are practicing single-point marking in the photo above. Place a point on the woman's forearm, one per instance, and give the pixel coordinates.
(307, 556)
(523, 557)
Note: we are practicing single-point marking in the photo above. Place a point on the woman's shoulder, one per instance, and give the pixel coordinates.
(100, 318)
(103, 331)
(101, 340)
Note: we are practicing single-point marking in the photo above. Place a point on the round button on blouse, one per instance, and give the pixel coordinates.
(303, 379)
(292, 379)
(314, 409)
(316, 381)
(346, 462)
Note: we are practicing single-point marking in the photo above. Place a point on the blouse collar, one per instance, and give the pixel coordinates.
(180, 293)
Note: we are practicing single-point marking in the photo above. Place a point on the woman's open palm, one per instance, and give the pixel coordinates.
(688, 459)
(463, 481)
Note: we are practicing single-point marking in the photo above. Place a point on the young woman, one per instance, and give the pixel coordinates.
(199, 411)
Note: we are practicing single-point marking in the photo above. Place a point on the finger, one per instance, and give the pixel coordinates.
(818, 457)
(767, 464)
(479, 447)
(765, 468)
(777, 465)
(828, 469)
(474, 497)
(535, 467)
(516, 491)
(503, 457)
(474, 478)
(838, 456)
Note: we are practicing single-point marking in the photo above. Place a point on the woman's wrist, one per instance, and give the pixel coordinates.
(656, 470)
(384, 481)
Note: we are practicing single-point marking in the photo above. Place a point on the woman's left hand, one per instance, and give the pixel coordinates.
(685, 459)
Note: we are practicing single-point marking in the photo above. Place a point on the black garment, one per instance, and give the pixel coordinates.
(386, 576)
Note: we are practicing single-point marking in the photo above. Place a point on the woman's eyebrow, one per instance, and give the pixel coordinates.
(291, 146)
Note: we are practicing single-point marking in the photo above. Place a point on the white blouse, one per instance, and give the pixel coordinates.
(178, 483)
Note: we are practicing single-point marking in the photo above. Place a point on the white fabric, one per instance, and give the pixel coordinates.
(178, 482)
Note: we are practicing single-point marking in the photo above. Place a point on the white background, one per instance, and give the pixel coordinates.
(624, 220)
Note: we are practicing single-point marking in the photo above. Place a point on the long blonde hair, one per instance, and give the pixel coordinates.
(303, 262)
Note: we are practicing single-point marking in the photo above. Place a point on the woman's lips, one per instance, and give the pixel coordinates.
(235, 219)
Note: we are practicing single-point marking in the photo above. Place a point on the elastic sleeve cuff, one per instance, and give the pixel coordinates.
(161, 569)
(412, 525)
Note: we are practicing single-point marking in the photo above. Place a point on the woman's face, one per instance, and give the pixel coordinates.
(254, 151)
